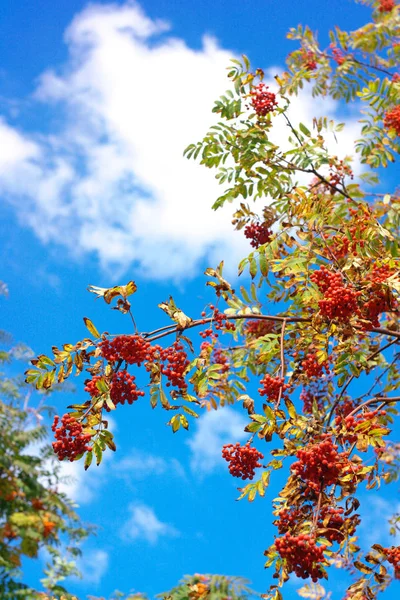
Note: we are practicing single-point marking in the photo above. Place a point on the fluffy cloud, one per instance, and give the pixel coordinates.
(214, 429)
(144, 524)
(111, 180)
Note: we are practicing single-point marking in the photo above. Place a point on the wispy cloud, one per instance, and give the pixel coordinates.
(139, 465)
(144, 524)
(111, 179)
(214, 429)
(375, 513)
(93, 565)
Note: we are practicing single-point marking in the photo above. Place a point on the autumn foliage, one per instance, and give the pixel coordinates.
(307, 344)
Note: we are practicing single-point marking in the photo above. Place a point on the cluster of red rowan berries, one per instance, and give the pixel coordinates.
(309, 60)
(337, 54)
(393, 555)
(243, 460)
(302, 555)
(258, 233)
(220, 322)
(272, 386)
(219, 358)
(386, 5)
(320, 464)
(311, 397)
(331, 521)
(289, 518)
(132, 349)
(70, 439)
(396, 78)
(175, 364)
(258, 327)
(364, 422)
(340, 300)
(262, 100)
(341, 245)
(122, 388)
(392, 119)
(338, 170)
(311, 366)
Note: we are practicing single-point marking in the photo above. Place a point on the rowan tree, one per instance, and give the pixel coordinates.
(34, 515)
(314, 325)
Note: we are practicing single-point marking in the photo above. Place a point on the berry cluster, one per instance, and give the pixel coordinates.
(309, 60)
(176, 363)
(219, 358)
(263, 101)
(392, 119)
(338, 170)
(272, 387)
(334, 526)
(258, 327)
(311, 397)
(289, 519)
(220, 322)
(311, 366)
(302, 555)
(386, 5)
(243, 459)
(337, 54)
(258, 233)
(70, 439)
(320, 465)
(133, 349)
(365, 422)
(122, 388)
(393, 555)
(340, 300)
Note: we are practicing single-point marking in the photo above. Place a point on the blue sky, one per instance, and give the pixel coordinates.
(97, 103)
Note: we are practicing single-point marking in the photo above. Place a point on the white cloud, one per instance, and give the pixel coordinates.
(138, 465)
(112, 180)
(214, 429)
(144, 524)
(93, 565)
(375, 513)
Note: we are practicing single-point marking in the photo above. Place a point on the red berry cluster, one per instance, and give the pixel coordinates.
(219, 358)
(176, 363)
(393, 555)
(340, 300)
(334, 526)
(309, 60)
(243, 459)
(272, 386)
(320, 464)
(337, 54)
(365, 422)
(70, 439)
(258, 327)
(341, 245)
(289, 519)
(331, 521)
(396, 78)
(122, 388)
(258, 233)
(263, 101)
(386, 5)
(309, 397)
(311, 366)
(302, 555)
(392, 119)
(220, 322)
(133, 349)
(338, 170)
